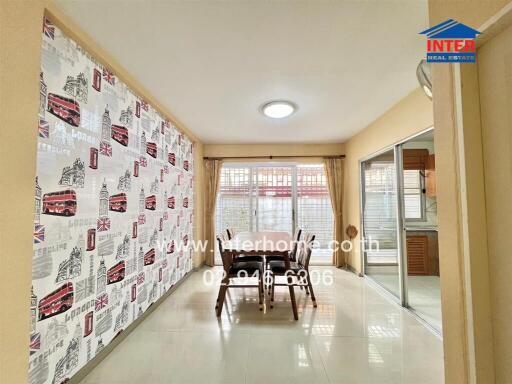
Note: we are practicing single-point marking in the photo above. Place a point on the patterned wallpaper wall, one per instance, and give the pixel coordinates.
(113, 209)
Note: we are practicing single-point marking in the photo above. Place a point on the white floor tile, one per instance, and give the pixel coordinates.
(354, 336)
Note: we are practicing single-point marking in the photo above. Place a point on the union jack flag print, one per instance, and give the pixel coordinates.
(96, 270)
(103, 224)
(106, 149)
(48, 29)
(101, 302)
(38, 234)
(109, 76)
(35, 342)
(44, 129)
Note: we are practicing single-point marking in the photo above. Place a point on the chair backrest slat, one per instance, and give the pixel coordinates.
(296, 240)
(225, 256)
(231, 232)
(304, 250)
(297, 234)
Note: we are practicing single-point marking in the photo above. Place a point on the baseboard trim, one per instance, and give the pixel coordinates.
(87, 368)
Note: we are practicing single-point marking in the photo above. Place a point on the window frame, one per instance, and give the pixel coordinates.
(253, 183)
(423, 199)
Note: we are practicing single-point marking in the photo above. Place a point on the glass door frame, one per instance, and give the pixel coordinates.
(400, 218)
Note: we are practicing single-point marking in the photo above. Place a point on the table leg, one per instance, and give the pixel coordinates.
(222, 294)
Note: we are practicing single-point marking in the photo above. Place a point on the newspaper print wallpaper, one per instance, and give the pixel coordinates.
(113, 209)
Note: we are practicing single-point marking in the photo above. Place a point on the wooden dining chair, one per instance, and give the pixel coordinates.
(237, 269)
(298, 269)
(296, 238)
(291, 255)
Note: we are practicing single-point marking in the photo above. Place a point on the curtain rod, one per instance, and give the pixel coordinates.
(270, 157)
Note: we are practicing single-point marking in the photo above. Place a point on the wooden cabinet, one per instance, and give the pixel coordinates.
(417, 255)
(422, 253)
(415, 159)
(430, 176)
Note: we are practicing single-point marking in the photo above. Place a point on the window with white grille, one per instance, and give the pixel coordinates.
(233, 209)
(268, 197)
(413, 195)
(379, 210)
(314, 210)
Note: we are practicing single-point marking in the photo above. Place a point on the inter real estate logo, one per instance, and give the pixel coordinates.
(451, 42)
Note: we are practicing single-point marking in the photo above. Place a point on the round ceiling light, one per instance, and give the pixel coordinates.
(278, 109)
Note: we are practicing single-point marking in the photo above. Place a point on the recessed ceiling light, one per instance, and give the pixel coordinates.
(278, 109)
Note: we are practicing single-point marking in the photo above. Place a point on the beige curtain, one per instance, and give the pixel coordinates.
(212, 182)
(334, 173)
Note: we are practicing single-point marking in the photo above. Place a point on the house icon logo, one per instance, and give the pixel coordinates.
(451, 42)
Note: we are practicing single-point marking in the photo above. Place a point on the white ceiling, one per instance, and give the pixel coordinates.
(213, 63)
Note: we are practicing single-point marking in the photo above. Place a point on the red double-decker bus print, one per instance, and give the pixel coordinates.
(116, 273)
(56, 302)
(64, 108)
(61, 203)
(149, 257)
(151, 149)
(171, 202)
(118, 203)
(151, 202)
(120, 134)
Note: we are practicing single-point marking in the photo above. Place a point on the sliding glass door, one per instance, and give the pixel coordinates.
(277, 197)
(399, 225)
(379, 209)
(274, 202)
(314, 210)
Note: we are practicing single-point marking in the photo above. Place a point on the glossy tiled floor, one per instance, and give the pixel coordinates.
(425, 298)
(354, 336)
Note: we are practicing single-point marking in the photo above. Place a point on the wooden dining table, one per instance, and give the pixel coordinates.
(265, 243)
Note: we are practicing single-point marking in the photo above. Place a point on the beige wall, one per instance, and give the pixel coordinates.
(411, 115)
(20, 50)
(220, 150)
(471, 12)
(467, 315)
(495, 83)
(20, 46)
